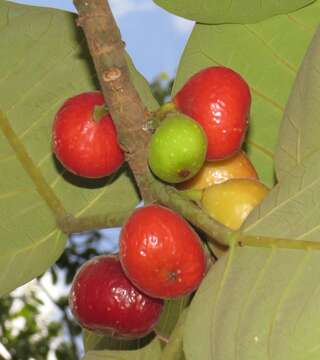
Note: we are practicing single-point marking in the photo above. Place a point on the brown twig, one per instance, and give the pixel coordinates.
(129, 112)
(126, 108)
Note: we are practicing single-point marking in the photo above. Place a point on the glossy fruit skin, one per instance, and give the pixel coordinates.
(219, 99)
(161, 253)
(84, 146)
(177, 149)
(215, 172)
(231, 201)
(103, 300)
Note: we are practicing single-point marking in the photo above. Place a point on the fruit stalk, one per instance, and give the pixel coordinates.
(70, 224)
(127, 110)
(267, 242)
(170, 197)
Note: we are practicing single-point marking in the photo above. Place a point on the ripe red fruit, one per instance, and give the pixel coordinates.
(219, 99)
(103, 300)
(85, 138)
(161, 253)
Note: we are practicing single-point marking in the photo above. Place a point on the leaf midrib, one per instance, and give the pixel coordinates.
(40, 183)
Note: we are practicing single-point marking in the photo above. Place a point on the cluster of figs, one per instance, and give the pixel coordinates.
(198, 149)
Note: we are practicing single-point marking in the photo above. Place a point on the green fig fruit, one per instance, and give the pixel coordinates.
(177, 149)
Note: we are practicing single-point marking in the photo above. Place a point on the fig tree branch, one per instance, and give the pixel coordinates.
(126, 108)
(70, 224)
(130, 114)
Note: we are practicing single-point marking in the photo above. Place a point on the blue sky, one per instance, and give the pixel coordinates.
(155, 39)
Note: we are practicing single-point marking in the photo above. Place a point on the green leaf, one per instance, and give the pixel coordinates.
(44, 61)
(300, 129)
(174, 348)
(226, 11)
(291, 209)
(94, 341)
(257, 303)
(268, 55)
(171, 314)
(142, 351)
(142, 86)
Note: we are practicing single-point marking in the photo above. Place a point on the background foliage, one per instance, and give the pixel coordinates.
(229, 12)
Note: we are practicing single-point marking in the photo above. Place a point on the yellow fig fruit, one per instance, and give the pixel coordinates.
(216, 172)
(231, 201)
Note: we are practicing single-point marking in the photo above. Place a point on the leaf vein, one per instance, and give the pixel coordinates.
(282, 299)
(56, 64)
(94, 200)
(261, 148)
(30, 50)
(241, 318)
(280, 59)
(16, 192)
(25, 249)
(285, 202)
(39, 119)
(41, 185)
(214, 307)
(301, 24)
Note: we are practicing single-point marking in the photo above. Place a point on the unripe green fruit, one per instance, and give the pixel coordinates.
(177, 149)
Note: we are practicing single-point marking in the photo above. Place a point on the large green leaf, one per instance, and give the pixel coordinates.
(121, 350)
(267, 55)
(300, 129)
(291, 209)
(226, 11)
(44, 61)
(257, 303)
